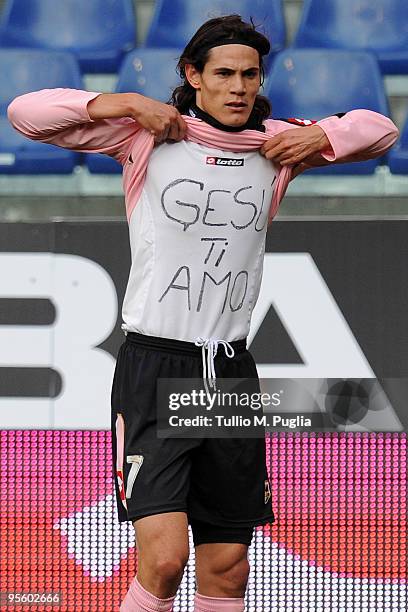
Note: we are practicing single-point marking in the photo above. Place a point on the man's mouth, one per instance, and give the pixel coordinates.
(237, 106)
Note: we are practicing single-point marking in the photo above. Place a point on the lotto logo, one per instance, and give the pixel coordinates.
(224, 161)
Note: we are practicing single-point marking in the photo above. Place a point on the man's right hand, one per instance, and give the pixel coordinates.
(163, 121)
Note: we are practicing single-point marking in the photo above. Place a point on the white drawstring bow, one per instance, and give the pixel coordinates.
(208, 364)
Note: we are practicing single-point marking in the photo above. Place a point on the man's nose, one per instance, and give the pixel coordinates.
(238, 85)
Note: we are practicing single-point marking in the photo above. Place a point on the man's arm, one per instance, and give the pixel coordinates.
(163, 121)
(93, 122)
(355, 136)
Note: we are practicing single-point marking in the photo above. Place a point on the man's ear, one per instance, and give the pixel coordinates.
(192, 76)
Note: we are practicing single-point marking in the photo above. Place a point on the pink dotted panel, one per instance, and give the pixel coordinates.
(340, 502)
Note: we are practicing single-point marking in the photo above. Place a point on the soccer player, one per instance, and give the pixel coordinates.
(198, 205)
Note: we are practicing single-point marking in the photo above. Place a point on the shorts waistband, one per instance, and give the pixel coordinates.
(177, 346)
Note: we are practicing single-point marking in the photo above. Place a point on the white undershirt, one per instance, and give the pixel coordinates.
(197, 239)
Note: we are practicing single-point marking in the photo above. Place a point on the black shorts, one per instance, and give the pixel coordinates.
(221, 483)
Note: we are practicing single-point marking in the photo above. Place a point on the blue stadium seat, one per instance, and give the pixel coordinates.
(315, 83)
(98, 32)
(398, 156)
(380, 26)
(21, 71)
(150, 72)
(175, 21)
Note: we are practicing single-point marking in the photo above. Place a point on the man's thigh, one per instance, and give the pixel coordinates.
(162, 535)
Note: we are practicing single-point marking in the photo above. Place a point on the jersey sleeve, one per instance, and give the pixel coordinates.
(60, 117)
(357, 135)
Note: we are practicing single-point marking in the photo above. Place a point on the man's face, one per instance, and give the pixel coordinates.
(229, 83)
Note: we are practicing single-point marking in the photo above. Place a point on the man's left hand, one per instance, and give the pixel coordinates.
(295, 145)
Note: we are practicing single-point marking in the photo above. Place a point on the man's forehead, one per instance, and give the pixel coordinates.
(233, 56)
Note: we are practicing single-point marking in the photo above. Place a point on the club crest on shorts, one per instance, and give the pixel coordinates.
(136, 461)
(267, 489)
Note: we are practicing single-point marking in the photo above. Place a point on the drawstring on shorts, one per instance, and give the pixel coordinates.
(211, 345)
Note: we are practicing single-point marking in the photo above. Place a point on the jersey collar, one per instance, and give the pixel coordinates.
(251, 124)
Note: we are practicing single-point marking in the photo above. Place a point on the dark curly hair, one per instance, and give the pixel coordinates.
(197, 51)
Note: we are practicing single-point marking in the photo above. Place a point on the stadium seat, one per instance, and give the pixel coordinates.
(97, 32)
(175, 21)
(398, 156)
(380, 26)
(315, 83)
(21, 71)
(150, 72)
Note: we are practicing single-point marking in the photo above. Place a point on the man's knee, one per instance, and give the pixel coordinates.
(235, 577)
(168, 563)
(169, 569)
(222, 572)
(161, 574)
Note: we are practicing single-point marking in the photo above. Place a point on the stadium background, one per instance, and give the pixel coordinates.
(340, 496)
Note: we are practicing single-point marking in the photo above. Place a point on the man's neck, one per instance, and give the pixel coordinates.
(251, 124)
